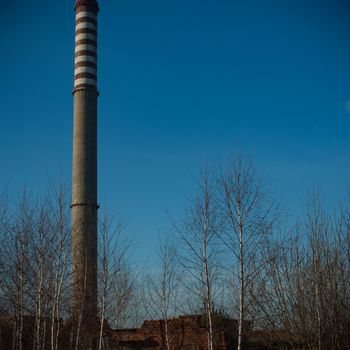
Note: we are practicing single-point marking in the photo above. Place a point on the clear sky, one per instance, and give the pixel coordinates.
(182, 82)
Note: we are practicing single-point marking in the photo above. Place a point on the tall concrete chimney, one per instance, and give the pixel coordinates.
(84, 182)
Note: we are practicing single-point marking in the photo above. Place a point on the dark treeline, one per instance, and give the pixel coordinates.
(231, 254)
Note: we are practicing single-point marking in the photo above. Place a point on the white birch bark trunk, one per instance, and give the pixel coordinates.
(241, 287)
(166, 333)
(207, 281)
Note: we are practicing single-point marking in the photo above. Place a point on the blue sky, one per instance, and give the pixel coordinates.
(182, 82)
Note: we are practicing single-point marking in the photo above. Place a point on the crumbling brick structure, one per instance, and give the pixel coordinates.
(184, 332)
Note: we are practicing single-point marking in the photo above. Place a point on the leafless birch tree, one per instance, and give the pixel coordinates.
(248, 215)
(115, 276)
(161, 288)
(198, 234)
(305, 295)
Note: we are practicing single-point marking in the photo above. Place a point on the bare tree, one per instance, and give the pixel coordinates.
(161, 287)
(198, 234)
(249, 214)
(305, 292)
(116, 282)
(30, 233)
(60, 281)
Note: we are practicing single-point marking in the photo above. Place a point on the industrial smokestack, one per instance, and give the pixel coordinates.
(84, 182)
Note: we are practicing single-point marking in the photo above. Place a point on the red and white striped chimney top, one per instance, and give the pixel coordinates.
(85, 67)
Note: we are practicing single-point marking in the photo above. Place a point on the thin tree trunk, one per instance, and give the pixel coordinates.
(241, 289)
(1, 343)
(37, 342)
(14, 334)
(206, 272)
(318, 303)
(21, 300)
(44, 325)
(58, 289)
(166, 333)
(209, 307)
(102, 316)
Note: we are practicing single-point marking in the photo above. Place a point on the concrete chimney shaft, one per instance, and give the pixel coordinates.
(84, 182)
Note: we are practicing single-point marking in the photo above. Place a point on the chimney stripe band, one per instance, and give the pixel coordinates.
(86, 42)
(85, 64)
(85, 47)
(85, 19)
(85, 70)
(86, 81)
(84, 25)
(85, 75)
(86, 53)
(85, 58)
(86, 14)
(86, 30)
(84, 36)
